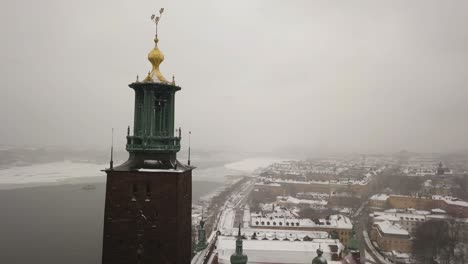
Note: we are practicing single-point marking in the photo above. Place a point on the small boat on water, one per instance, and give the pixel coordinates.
(88, 187)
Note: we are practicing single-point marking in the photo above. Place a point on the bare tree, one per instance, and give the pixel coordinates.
(439, 239)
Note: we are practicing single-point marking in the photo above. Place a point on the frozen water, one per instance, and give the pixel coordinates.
(50, 172)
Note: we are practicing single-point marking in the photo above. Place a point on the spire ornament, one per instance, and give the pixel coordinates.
(319, 259)
(201, 244)
(156, 19)
(111, 163)
(155, 56)
(239, 257)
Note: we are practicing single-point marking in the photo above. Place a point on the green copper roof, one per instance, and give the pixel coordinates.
(201, 244)
(319, 259)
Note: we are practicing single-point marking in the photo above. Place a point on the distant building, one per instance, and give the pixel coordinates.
(408, 220)
(411, 219)
(279, 251)
(335, 224)
(391, 236)
(292, 201)
(268, 189)
(378, 201)
(452, 205)
(440, 169)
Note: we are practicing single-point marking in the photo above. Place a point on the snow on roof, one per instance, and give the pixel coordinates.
(391, 228)
(457, 202)
(379, 197)
(277, 251)
(294, 200)
(344, 182)
(226, 242)
(437, 216)
(421, 212)
(451, 200)
(386, 217)
(428, 183)
(334, 221)
(267, 184)
(394, 217)
(158, 170)
(404, 211)
(270, 234)
(400, 254)
(346, 210)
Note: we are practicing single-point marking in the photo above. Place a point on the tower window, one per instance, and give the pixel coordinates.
(134, 192)
(148, 192)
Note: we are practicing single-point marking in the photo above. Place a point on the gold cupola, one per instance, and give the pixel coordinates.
(156, 57)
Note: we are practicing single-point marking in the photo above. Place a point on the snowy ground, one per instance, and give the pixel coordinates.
(49, 173)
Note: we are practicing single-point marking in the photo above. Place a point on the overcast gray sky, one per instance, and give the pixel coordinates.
(255, 75)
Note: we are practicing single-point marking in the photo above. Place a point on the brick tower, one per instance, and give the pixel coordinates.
(147, 217)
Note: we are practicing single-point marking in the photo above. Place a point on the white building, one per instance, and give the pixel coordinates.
(280, 251)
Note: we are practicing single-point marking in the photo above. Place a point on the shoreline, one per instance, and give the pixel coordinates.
(69, 172)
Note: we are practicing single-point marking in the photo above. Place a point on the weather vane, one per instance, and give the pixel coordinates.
(156, 19)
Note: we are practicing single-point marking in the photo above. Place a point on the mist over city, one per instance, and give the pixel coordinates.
(212, 132)
(259, 75)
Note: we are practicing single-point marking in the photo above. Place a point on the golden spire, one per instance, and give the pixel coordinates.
(155, 56)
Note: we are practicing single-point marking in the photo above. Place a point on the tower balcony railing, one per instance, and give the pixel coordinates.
(153, 143)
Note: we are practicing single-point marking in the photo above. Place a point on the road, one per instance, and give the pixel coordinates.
(360, 221)
(376, 255)
(236, 202)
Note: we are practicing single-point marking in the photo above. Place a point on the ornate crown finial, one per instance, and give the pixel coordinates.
(156, 19)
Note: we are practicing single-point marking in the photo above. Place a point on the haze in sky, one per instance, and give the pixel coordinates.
(255, 75)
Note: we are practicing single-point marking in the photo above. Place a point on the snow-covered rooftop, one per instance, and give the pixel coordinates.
(278, 251)
(379, 197)
(293, 200)
(438, 211)
(391, 228)
(334, 221)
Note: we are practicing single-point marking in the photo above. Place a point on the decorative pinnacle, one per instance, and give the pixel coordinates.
(156, 19)
(111, 163)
